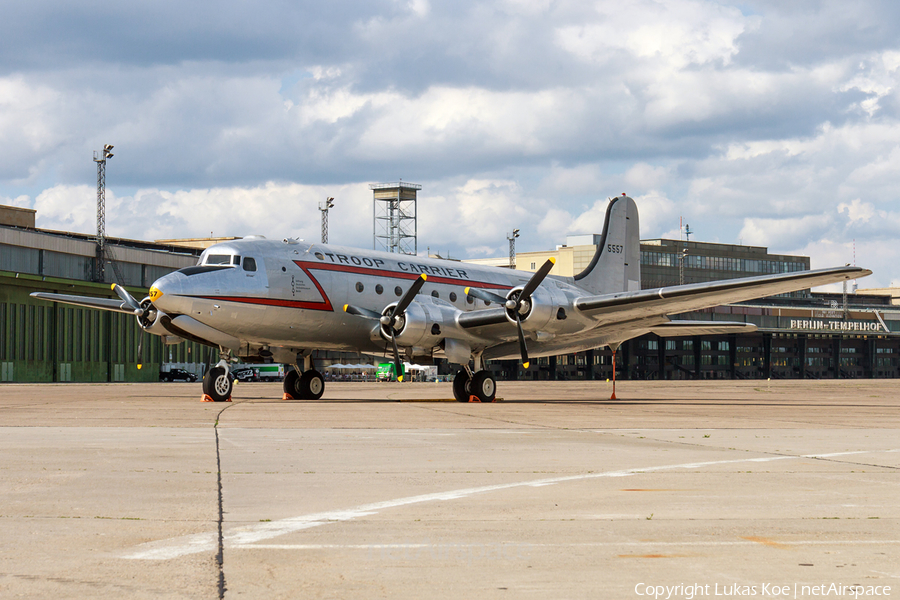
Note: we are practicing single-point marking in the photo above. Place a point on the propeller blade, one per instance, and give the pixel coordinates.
(522, 348)
(361, 312)
(127, 298)
(140, 354)
(408, 296)
(485, 295)
(398, 366)
(536, 279)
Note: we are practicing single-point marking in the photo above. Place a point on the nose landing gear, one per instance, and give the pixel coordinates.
(218, 383)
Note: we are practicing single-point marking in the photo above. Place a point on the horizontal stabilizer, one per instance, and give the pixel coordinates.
(681, 328)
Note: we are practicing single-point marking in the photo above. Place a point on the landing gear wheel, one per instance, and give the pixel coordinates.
(309, 386)
(484, 387)
(312, 385)
(217, 384)
(462, 386)
(291, 385)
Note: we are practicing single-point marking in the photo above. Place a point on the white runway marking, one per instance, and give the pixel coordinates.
(563, 545)
(253, 534)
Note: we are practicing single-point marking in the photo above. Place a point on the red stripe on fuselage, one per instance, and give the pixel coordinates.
(326, 305)
(398, 275)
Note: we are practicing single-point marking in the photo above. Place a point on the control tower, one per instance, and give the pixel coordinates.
(394, 214)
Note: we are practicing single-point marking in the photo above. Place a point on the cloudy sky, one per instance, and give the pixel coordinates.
(759, 122)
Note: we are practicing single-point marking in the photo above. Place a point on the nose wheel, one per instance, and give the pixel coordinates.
(217, 385)
(308, 386)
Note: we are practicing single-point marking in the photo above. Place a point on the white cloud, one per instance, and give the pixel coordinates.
(522, 113)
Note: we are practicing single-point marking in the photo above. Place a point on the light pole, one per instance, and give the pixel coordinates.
(100, 158)
(684, 252)
(324, 206)
(512, 248)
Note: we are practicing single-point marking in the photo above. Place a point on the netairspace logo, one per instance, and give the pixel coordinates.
(765, 590)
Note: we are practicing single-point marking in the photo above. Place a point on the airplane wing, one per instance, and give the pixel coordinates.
(113, 304)
(627, 306)
(679, 328)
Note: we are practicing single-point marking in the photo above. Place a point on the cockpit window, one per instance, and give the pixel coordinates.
(218, 259)
(249, 264)
(235, 260)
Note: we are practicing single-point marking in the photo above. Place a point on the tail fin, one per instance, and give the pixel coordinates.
(616, 266)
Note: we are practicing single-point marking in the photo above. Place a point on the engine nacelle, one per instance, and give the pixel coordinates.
(542, 311)
(151, 322)
(425, 323)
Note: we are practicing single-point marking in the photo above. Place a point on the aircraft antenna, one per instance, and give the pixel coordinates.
(512, 247)
(324, 206)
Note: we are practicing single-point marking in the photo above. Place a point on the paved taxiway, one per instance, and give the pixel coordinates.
(111, 491)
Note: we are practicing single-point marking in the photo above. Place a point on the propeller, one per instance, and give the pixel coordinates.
(127, 298)
(361, 312)
(388, 322)
(142, 310)
(516, 301)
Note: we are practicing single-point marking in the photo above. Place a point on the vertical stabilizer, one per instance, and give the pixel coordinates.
(616, 266)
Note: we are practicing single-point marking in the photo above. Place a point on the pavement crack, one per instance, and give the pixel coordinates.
(220, 551)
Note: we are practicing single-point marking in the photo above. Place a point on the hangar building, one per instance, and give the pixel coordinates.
(804, 335)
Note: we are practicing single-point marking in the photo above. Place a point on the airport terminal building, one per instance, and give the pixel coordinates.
(801, 335)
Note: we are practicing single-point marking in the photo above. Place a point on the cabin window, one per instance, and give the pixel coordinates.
(470, 299)
(398, 291)
(452, 296)
(249, 264)
(379, 289)
(319, 255)
(359, 287)
(434, 294)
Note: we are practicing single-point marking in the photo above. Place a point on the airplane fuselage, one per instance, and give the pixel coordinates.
(291, 294)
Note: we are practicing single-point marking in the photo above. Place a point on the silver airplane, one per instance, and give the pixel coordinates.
(261, 299)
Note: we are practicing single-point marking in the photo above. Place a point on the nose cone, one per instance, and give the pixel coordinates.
(155, 293)
(165, 293)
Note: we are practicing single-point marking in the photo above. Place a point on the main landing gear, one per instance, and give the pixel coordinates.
(308, 386)
(480, 386)
(303, 383)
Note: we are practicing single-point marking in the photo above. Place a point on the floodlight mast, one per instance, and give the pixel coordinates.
(100, 158)
(324, 206)
(512, 248)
